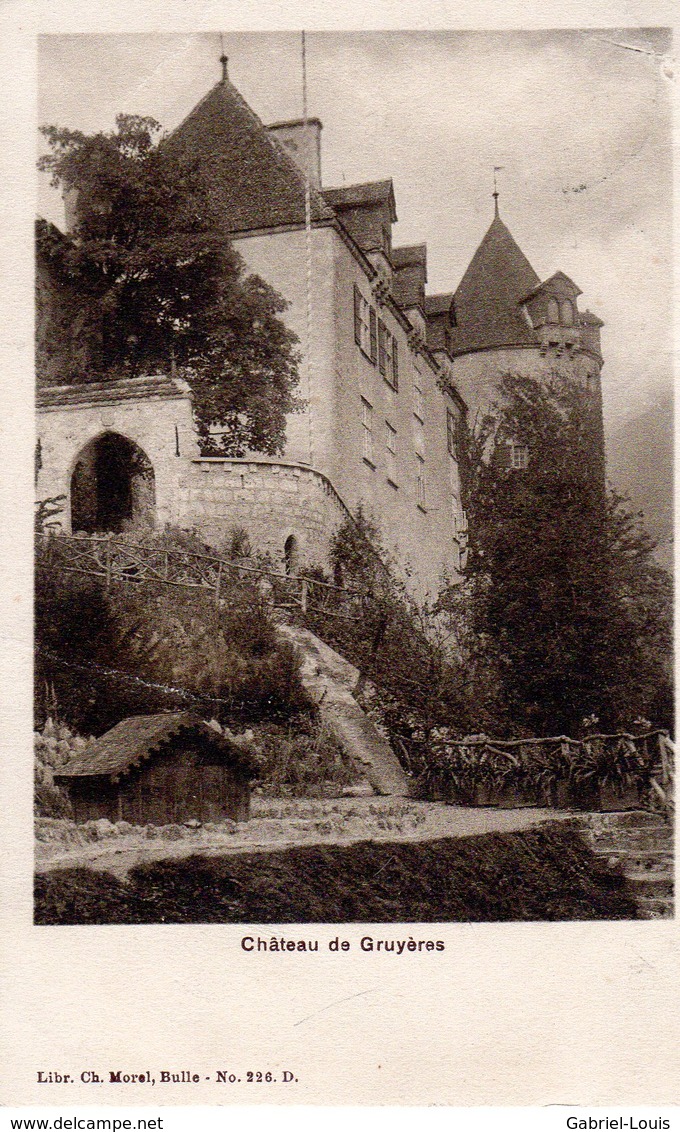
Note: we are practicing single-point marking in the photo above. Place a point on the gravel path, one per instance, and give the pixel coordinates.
(280, 824)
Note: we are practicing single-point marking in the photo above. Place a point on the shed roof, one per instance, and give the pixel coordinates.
(126, 389)
(141, 737)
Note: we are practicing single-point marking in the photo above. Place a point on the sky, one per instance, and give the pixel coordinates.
(579, 121)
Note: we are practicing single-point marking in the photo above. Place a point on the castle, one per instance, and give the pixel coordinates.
(388, 372)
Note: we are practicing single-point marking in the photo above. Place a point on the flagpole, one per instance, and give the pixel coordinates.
(308, 249)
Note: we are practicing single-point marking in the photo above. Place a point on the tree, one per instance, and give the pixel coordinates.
(159, 286)
(563, 614)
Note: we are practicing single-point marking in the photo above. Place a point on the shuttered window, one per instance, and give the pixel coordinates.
(391, 453)
(382, 353)
(365, 326)
(367, 430)
(357, 315)
(373, 335)
(387, 356)
(420, 481)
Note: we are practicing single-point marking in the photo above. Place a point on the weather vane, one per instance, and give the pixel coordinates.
(496, 169)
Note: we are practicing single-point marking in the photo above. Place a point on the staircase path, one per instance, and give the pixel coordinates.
(640, 844)
(330, 680)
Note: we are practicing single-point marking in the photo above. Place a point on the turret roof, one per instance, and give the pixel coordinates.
(487, 301)
(254, 179)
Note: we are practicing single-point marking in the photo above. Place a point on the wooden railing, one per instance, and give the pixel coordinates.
(662, 779)
(556, 770)
(116, 560)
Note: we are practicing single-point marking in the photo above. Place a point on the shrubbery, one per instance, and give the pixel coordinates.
(53, 747)
(103, 655)
(301, 757)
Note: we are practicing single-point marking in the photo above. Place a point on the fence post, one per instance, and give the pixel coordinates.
(218, 583)
(303, 594)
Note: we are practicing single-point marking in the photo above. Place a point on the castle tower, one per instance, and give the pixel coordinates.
(503, 319)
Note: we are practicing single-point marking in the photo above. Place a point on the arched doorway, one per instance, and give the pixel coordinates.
(112, 486)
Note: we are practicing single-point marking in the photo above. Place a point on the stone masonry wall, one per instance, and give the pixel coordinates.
(269, 499)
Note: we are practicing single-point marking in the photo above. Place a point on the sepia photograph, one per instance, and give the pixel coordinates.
(354, 481)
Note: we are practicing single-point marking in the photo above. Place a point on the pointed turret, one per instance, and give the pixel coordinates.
(487, 302)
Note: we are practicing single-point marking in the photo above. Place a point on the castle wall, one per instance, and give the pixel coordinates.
(477, 374)
(280, 258)
(270, 499)
(421, 536)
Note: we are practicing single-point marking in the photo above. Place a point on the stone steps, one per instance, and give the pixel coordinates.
(650, 908)
(642, 861)
(638, 844)
(330, 681)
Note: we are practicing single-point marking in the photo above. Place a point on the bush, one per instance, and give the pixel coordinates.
(410, 681)
(53, 747)
(301, 757)
(103, 655)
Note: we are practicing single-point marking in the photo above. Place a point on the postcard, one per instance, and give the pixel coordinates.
(339, 559)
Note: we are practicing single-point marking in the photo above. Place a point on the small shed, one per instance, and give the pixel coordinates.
(158, 770)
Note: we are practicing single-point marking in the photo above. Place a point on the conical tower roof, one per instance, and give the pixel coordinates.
(487, 301)
(252, 176)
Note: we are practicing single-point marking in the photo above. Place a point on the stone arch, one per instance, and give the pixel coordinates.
(112, 486)
(291, 555)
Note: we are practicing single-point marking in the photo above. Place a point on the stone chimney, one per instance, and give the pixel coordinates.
(303, 142)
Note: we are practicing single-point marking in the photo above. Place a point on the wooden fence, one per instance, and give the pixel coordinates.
(601, 770)
(117, 560)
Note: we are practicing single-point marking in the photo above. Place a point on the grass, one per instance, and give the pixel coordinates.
(545, 873)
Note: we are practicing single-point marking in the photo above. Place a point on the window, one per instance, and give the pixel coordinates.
(367, 429)
(567, 313)
(553, 310)
(391, 453)
(519, 456)
(387, 356)
(420, 481)
(453, 486)
(452, 427)
(365, 326)
(290, 555)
